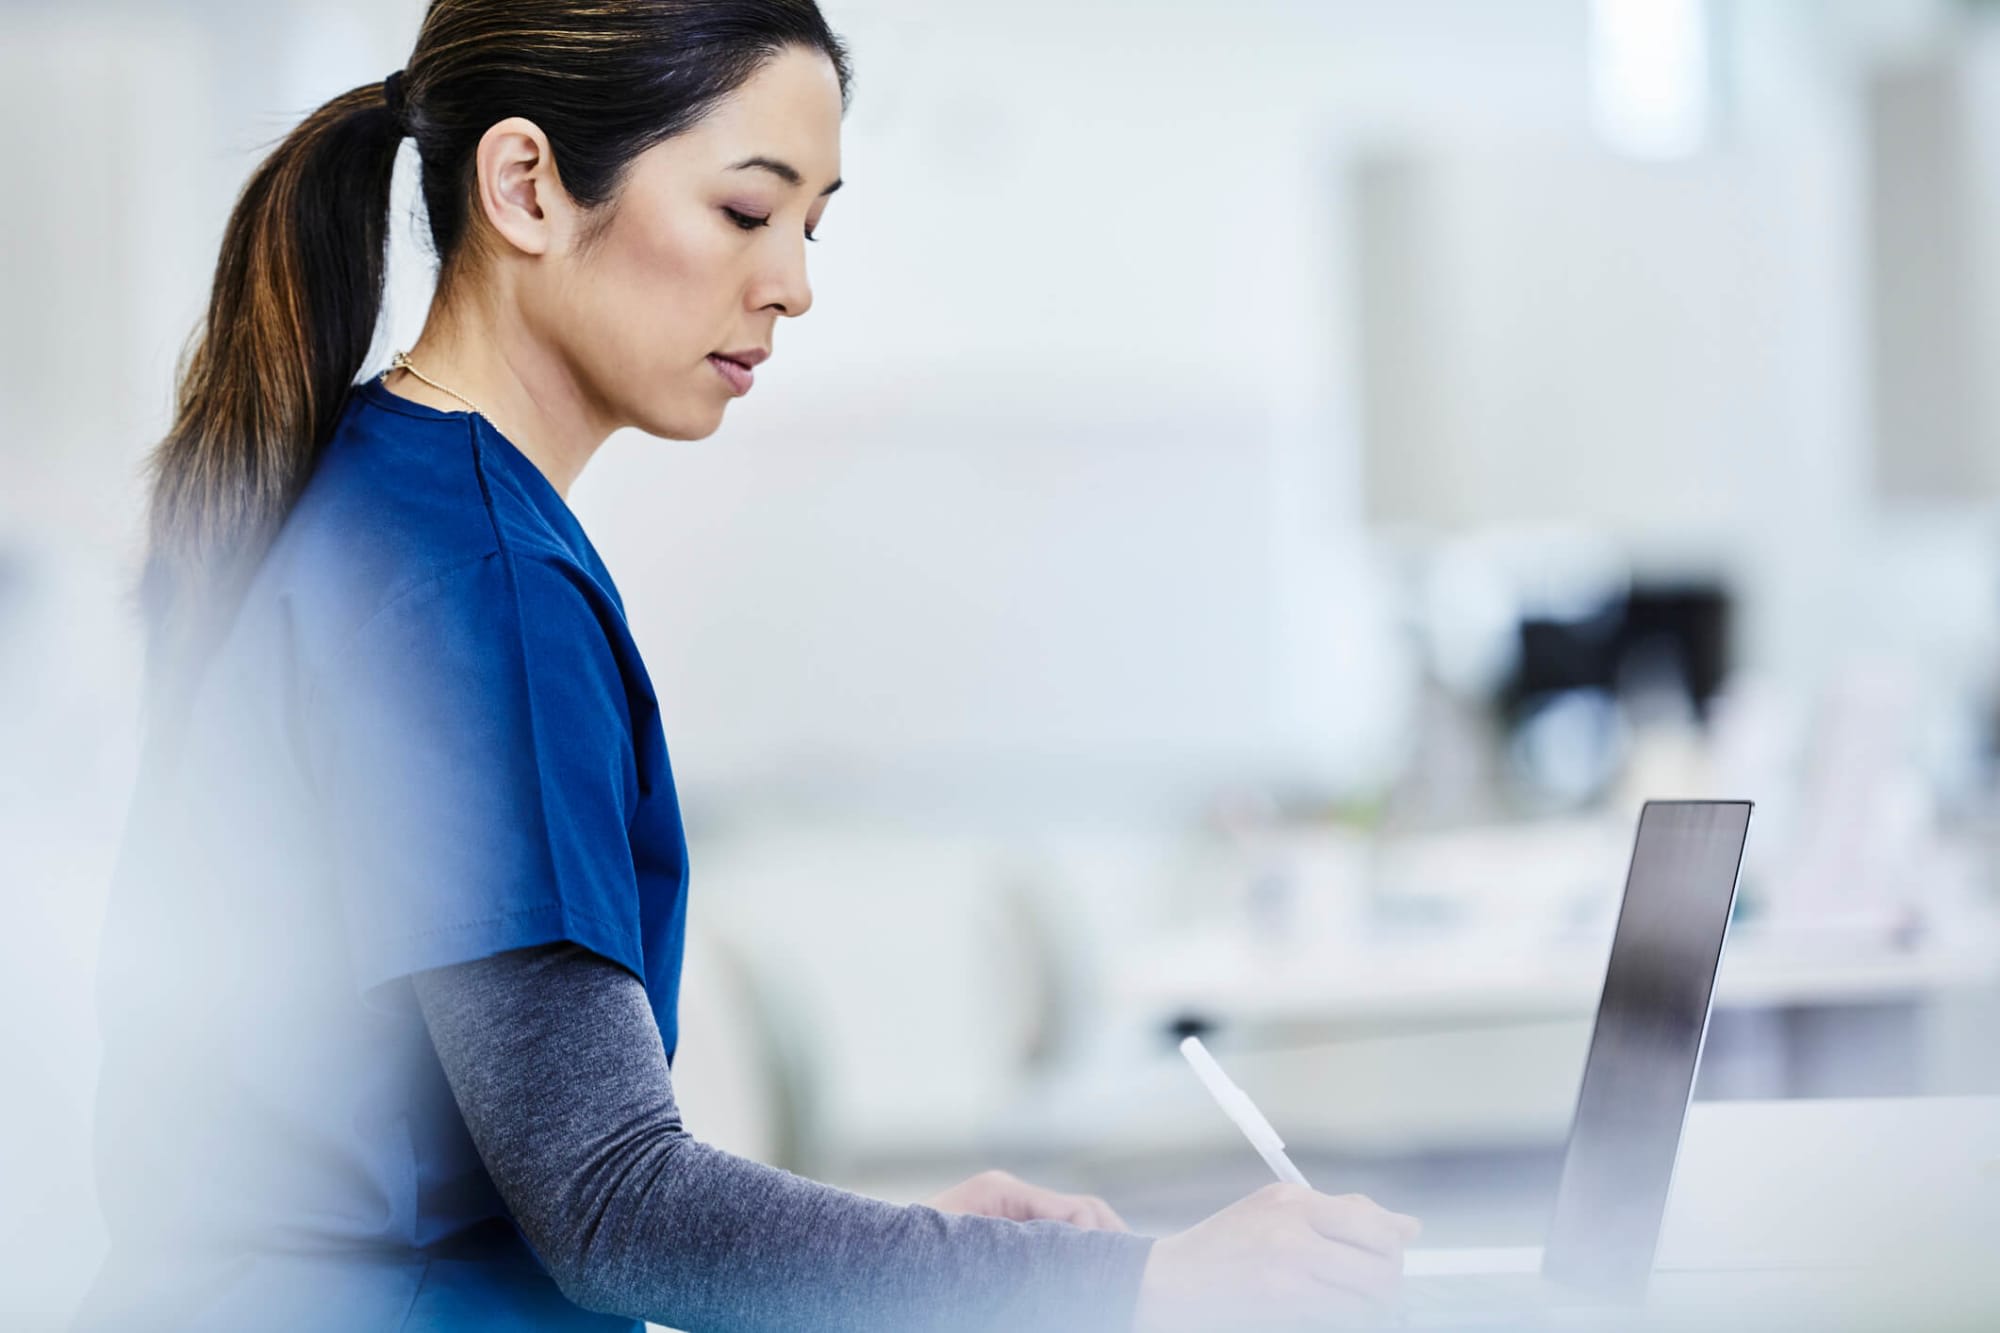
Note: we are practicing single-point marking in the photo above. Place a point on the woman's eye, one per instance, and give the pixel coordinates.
(748, 223)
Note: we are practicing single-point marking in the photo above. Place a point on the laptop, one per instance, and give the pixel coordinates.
(1637, 1080)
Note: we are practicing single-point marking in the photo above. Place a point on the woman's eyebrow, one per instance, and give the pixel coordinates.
(784, 171)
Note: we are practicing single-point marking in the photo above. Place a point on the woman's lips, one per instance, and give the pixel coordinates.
(739, 376)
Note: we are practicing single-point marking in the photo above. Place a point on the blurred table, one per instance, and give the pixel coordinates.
(1795, 1014)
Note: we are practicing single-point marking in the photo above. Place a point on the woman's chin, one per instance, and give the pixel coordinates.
(684, 425)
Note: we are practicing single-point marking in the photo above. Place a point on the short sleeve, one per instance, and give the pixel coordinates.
(472, 751)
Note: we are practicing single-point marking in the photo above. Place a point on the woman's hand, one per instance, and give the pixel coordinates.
(1285, 1257)
(998, 1194)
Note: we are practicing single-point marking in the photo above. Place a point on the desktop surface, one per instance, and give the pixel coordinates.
(1865, 1214)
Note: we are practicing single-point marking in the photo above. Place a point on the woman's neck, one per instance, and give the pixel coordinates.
(523, 393)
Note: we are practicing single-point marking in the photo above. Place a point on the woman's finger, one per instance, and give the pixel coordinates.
(1081, 1210)
(1358, 1220)
(1103, 1215)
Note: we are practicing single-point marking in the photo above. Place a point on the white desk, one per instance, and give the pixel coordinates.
(1855, 1214)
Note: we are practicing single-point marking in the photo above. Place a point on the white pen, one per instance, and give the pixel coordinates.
(1237, 1105)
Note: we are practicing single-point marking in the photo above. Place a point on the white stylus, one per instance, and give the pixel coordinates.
(1237, 1105)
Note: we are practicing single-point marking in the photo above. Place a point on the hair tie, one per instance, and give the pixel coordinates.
(392, 93)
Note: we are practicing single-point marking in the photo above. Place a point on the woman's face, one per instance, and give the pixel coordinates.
(705, 251)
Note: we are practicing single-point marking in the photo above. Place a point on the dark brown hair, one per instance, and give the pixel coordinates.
(298, 286)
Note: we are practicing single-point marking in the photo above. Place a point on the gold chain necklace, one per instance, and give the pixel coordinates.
(402, 362)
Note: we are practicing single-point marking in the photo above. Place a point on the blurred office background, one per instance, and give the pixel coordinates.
(1265, 490)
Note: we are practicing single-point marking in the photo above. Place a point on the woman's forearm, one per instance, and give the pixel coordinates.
(558, 1067)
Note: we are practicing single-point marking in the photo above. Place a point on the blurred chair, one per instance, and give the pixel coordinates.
(1044, 967)
(745, 1074)
(883, 948)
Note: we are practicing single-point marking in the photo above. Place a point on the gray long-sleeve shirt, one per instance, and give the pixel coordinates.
(559, 1070)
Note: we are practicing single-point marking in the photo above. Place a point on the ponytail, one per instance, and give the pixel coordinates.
(290, 319)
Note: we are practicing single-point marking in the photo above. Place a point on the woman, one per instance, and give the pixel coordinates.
(390, 970)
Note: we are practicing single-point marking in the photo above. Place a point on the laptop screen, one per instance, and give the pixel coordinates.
(1640, 1073)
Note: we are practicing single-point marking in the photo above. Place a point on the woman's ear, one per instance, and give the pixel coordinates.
(517, 186)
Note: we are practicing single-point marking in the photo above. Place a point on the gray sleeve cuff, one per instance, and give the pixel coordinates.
(1099, 1289)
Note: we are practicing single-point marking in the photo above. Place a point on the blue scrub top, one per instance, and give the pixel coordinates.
(426, 737)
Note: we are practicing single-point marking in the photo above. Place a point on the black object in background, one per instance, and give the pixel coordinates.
(1627, 639)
